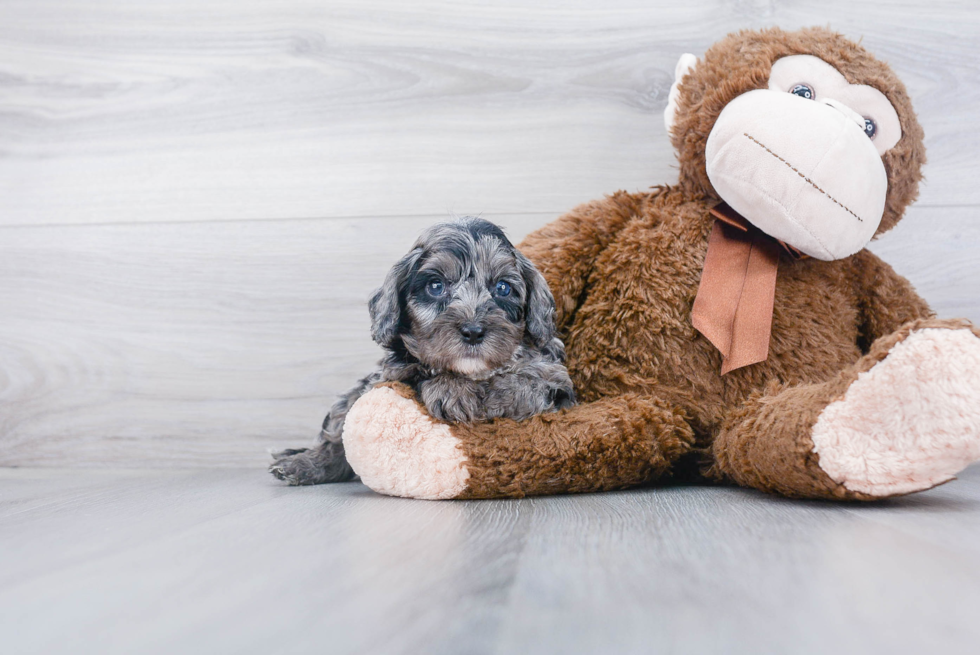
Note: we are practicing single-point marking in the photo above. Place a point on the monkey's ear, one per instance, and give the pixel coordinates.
(539, 304)
(685, 65)
(387, 304)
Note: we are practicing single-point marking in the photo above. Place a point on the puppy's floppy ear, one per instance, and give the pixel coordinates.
(387, 304)
(539, 304)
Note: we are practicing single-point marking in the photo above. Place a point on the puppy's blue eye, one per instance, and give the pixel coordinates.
(435, 288)
(503, 289)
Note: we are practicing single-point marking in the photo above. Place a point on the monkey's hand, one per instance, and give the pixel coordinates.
(399, 449)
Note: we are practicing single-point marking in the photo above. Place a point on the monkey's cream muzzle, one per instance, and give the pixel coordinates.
(801, 171)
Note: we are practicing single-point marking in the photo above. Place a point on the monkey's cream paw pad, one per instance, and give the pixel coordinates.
(400, 451)
(909, 423)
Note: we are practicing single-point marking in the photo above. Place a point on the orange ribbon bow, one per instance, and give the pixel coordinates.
(733, 308)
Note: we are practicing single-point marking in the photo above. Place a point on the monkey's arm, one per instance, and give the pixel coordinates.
(887, 299)
(399, 450)
(565, 250)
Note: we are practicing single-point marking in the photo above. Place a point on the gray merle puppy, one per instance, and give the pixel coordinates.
(466, 321)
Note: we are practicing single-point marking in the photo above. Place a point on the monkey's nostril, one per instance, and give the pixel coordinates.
(472, 333)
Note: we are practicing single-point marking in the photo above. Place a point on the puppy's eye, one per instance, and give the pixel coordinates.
(435, 288)
(804, 91)
(502, 288)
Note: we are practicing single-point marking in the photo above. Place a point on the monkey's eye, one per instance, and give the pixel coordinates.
(502, 288)
(435, 288)
(870, 127)
(804, 91)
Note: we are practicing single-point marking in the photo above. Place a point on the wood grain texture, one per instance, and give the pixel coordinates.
(196, 198)
(207, 343)
(231, 562)
(187, 344)
(262, 109)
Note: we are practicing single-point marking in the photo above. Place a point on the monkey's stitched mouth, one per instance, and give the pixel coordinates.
(795, 170)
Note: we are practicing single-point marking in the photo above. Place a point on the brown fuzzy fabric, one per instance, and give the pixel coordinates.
(609, 444)
(624, 272)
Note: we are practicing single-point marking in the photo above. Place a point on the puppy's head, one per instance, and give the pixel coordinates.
(464, 299)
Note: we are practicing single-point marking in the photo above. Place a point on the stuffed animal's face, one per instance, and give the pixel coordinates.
(805, 134)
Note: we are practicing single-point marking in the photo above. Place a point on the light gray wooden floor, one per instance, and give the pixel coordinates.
(197, 561)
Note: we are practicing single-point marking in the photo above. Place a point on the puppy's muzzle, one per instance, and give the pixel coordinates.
(472, 333)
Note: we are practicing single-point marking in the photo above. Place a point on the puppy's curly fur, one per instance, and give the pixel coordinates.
(466, 321)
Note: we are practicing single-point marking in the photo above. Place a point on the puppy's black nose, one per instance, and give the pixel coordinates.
(472, 333)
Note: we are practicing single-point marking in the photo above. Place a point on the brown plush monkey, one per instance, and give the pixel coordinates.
(753, 341)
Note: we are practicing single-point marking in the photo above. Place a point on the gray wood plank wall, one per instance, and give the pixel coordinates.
(196, 198)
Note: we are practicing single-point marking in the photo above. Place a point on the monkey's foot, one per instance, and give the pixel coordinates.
(399, 450)
(909, 423)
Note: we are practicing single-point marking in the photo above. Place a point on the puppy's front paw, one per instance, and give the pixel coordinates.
(399, 450)
(453, 399)
(454, 410)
